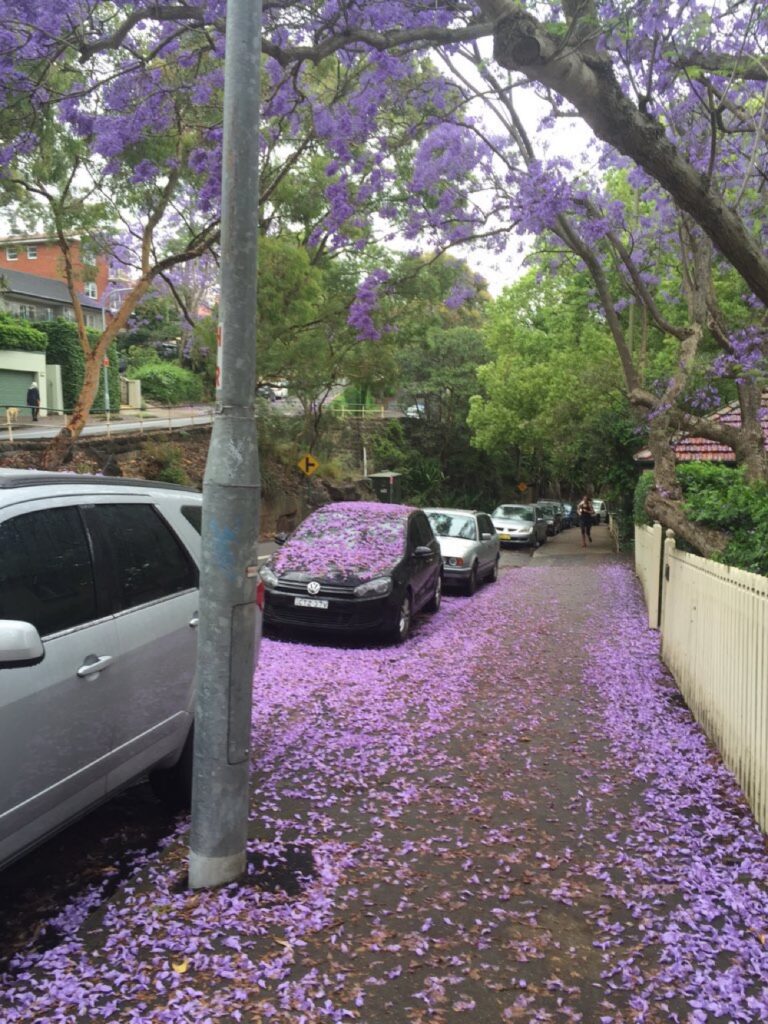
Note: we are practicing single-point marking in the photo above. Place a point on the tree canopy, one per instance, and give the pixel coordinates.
(383, 100)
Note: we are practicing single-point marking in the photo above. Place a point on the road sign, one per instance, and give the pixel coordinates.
(308, 464)
(522, 487)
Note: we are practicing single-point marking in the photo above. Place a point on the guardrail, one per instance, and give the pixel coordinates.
(365, 412)
(18, 420)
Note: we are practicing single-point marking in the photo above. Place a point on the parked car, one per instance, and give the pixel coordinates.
(98, 616)
(417, 411)
(569, 515)
(553, 516)
(520, 524)
(355, 566)
(267, 392)
(469, 546)
(601, 510)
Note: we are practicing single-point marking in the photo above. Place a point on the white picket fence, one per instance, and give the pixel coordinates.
(714, 629)
(649, 547)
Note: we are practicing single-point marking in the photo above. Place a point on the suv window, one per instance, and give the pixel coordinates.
(149, 560)
(46, 574)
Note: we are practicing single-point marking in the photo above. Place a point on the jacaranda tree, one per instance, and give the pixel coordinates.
(672, 96)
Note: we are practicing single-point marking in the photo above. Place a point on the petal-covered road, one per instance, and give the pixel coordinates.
(511, 818)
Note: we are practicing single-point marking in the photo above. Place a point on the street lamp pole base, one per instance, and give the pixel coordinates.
(210, 872)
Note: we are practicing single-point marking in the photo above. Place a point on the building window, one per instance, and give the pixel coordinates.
(31, 252)
(91, 290)
(27, 312)
(11, 253)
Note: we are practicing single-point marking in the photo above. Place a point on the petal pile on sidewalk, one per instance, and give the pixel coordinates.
(513, 817)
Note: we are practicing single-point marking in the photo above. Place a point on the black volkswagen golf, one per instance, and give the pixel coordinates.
(355, 566)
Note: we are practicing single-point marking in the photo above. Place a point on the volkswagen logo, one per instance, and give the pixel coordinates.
(313, 587)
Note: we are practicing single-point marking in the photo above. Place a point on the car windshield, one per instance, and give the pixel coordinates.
(514, 512)
(360, 539)
(448, 524)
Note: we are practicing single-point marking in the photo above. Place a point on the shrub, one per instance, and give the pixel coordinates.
(140, 355)
(169, 384)
(720, 497)
(20, 336)
(162, 461)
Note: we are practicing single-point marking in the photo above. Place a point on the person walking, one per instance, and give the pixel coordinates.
(33, 400)
(586, 515)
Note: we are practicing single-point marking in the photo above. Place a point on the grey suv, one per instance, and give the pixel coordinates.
(98, 609)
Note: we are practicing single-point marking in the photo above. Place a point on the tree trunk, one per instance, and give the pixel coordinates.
(60, 450)
(664, 502)
(751, 453)
(523, 44)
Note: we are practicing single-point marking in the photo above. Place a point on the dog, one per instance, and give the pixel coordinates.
(11, 414)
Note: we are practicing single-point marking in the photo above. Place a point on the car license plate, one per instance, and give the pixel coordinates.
(504, 536)
(311, 602)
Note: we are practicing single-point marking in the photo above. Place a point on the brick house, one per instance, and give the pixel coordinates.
(33, 286)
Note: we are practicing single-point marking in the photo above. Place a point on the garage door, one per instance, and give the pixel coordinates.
(13, 391)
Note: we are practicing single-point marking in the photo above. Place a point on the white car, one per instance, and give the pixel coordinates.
(469, 545)
(601, 510)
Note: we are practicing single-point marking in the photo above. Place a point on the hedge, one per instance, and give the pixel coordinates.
(64, 350)
(19, 335)
(168, 384)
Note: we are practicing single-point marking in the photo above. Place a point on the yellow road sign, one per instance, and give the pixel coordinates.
(308, 464)
(522, 487)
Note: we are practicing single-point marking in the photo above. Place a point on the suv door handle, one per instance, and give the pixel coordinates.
(195, 620)
(92, 667)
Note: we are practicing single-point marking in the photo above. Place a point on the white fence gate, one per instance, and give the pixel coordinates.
(714, 625)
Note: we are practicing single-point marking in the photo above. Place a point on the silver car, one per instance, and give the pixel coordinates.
(98, 616)
(520, 524)
(468, 544)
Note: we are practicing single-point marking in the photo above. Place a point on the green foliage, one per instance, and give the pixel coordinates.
(719, 497)
(169, 384)
(642, 487)
(20, 336)
(140, 355)
(553, 398)
(64, 349)
(164, 462)
(199, 353)
(156, 319)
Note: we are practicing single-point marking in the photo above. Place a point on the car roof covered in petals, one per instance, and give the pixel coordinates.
(346, 540)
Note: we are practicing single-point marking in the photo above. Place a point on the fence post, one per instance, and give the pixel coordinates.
(667, 551)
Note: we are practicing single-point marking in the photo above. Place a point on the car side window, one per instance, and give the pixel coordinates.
(420, 531)
(150, 561)
(486, 526)
(46, 572)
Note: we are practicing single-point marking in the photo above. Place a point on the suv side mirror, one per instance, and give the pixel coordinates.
(20, 644)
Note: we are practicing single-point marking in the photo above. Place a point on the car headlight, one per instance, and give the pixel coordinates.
(379, 587)
(268, 577)
(450, 560)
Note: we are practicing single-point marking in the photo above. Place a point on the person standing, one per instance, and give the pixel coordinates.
(33, 400)
(586, 515)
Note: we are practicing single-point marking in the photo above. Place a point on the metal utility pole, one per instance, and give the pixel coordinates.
(229, 618)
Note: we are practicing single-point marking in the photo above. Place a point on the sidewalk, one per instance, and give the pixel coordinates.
(511, 818)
